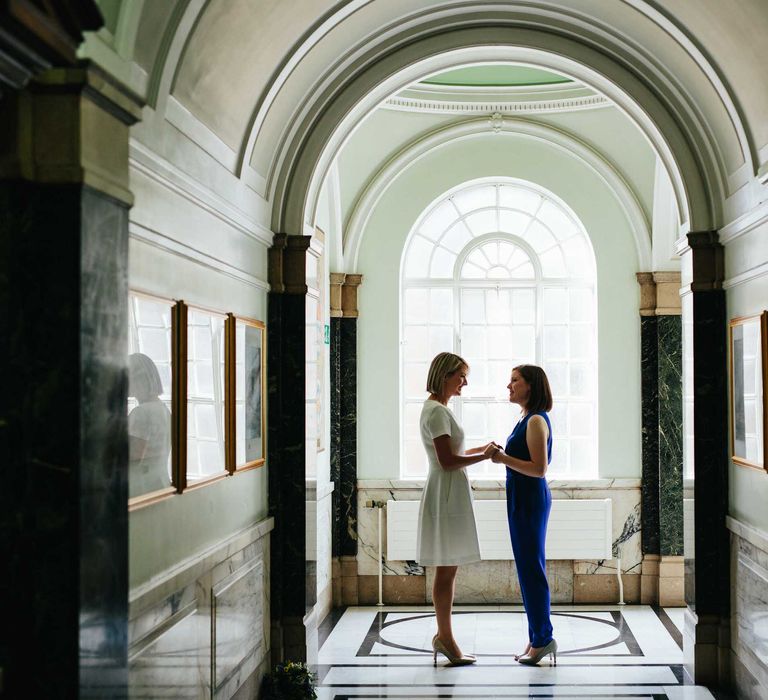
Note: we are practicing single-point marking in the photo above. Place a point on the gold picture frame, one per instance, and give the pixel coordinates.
(748, 380)
(246, 393)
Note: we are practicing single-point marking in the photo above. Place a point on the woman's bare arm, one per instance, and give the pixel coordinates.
(450, 461)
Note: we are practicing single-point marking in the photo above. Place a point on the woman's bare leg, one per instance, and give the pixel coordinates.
(442, 597)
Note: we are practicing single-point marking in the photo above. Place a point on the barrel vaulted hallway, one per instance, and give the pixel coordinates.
(235, 232)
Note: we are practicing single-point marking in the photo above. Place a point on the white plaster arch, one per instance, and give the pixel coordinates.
(315, 143)
(567, 143)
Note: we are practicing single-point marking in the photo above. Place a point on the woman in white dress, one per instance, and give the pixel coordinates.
(447, 533)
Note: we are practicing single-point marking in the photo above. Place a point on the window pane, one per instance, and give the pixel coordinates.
(416, 343)
(441, 218)
(556, 220)
(482, 222)
(579, 257)
(473, 343)
(471, 271)
(555, 305)
(558, 417)
(441, 306)
(499, 342)
(513, 222)
(581, 455)
(477, 381)
(539, 238)
(416, 305)
(456, 237)
(557, 372)
(416, 379)
(442, 263)
(523, 343)
(519, 198)
(498, 378)
(582, 305)
(474, 418)
(417, 257)
(555, 343)
(472, 306)
(475, 198)
(581, 342)
(499, 307)
(440, 340)
(580, 380)
(523, 306)
(580, 419)
(552, 263)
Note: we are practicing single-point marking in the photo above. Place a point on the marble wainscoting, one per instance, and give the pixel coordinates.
(749, 610)
(202, 629)
(496, 581)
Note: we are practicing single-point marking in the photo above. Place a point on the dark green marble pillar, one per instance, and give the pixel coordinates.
(670, 435)
(662, 414)
(63, 356)
(286, 373)
(344, 315)
(707, 566)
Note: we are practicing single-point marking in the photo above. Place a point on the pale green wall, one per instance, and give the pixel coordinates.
(748, 488)
(379, 262)
(164, 534)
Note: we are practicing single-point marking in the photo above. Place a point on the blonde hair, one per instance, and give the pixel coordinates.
(444, 364)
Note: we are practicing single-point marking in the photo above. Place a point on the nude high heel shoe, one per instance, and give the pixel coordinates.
(438, 646)
(533, 659)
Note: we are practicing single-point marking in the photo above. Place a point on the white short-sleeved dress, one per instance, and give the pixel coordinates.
(447, 532)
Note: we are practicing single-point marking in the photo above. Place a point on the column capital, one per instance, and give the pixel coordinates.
(349, 295)
(336, 284)
(705, 262)
(70, 126)
(288, 264)
(659, 293)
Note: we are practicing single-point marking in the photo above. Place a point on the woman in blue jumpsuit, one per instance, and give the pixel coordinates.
(526, 456)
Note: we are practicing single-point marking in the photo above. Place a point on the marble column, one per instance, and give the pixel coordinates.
(344, 315)
(662, 438)
(706, 637)
(64, 201)
(286, 454)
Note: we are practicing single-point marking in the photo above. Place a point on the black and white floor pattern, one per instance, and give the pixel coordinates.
(629, 652)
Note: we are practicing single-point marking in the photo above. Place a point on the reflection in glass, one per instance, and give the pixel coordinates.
(149, 395)
(249, 380)
(205, 399)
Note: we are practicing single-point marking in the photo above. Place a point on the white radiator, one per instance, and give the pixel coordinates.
(578, 529)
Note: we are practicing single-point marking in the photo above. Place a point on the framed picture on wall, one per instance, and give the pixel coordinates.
(151, 411)
(749, 390)
(247, 384)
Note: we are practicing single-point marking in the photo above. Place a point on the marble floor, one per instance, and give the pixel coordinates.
(632, 651)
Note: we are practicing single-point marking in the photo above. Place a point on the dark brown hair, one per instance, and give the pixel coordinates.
(541, 395)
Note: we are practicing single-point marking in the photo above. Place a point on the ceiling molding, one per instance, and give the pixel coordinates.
(409, 104)
(569, 144)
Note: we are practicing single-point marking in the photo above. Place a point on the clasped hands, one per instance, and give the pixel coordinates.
(493, 451)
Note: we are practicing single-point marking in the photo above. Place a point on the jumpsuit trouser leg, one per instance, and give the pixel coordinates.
(528, 530)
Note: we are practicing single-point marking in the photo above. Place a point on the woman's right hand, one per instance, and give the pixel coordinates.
(490, 450)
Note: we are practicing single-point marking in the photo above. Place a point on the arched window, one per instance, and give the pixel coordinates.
(501, 273)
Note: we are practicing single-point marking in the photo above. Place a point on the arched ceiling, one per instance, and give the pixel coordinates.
(277, 87)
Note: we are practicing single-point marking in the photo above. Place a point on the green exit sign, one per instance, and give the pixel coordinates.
(327, 334)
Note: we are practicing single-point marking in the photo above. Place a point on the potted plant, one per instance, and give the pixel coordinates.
(289, 681)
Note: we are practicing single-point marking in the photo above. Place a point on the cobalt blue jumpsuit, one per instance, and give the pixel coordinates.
(528, 504)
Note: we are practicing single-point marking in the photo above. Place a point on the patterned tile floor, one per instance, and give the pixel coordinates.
(604, 652)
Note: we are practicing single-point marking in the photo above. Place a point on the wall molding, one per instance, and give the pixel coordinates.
(751, 534)
(747, 276)
(191, 568)
(170, 245)
(158, 169)
(755, 217)
(436, 106)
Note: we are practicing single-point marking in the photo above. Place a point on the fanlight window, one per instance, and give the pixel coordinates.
(502, 274)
